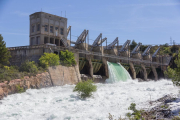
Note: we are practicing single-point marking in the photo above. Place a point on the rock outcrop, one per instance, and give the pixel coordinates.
(39, 81)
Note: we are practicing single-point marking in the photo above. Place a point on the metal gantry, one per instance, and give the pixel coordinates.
(125, 46)
(147, 51)
(136, 49)
(82, 37)
(68, 29)
(155, 53)
(98, 41)
(111, 45)
(64, 42)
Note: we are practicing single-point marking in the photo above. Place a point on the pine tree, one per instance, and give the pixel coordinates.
(133, 45)
(4, 53)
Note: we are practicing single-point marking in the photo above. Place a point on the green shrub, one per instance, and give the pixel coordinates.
(67, 58)
(28, 66)
(85, 88)
(11, 73)
(49, 59)
(19, 89)
(136, 115)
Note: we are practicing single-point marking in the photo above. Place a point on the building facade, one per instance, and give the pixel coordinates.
(47, 28)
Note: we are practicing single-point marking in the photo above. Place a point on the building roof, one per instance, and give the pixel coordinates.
(47, 14)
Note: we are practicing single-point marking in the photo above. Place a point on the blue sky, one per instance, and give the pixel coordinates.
(146, 21)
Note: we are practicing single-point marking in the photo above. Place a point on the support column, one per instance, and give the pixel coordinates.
(90, 68)
(154, 72)
(88, 58)
(41, 39)
(48, 39)
(106, 67)
(53, 40)
(144, 71)
(59, 41)
(132, 70)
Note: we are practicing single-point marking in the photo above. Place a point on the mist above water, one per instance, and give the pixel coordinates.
(61, 103)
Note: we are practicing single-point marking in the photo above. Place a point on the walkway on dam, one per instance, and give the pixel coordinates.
(58, 48)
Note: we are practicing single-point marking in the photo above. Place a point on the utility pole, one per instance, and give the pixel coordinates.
(101, 48)
(70, 37)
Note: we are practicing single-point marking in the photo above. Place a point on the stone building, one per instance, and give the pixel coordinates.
(47, 28)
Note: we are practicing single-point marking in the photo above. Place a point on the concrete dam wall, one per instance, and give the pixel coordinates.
(61, 75)
(90, 65)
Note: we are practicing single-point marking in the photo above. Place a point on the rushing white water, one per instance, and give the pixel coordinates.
(117, 73)
(61, 103)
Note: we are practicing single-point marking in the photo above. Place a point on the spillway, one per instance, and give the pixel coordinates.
(117, 73)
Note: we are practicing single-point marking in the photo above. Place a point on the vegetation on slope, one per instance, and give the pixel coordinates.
(67, 58)
(174, 74)
(49, 59)
(165, 49)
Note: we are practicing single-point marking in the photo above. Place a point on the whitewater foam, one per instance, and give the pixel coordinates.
(60, 103)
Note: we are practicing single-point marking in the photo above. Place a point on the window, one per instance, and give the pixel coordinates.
(46, 28)
(56, 28)
(33, 28)
(51, 29)
(32, 41)
(38, 27)
(62, 31)
(56, 31)
(37, 40)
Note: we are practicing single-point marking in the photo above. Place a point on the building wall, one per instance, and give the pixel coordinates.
(40, 21)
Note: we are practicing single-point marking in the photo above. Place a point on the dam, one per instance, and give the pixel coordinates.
(48, 33)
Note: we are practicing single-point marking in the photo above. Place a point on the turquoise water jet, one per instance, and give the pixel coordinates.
(117, 73)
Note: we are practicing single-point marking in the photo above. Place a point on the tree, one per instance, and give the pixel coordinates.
(174, 74)
(67, 58)
(85, 88)
(133, 45)
(165, 50)
(174, 48)
(4, 53)
(49, 59)
(143, 47)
